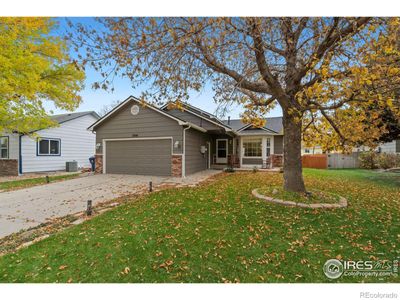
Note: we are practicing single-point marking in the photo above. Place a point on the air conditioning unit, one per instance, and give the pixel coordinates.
(71, 166)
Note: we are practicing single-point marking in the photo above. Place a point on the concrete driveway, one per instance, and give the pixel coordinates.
(30, 207)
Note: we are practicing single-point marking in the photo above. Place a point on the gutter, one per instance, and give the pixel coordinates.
(191, 125)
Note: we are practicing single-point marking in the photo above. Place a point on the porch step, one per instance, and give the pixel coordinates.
(218, 167)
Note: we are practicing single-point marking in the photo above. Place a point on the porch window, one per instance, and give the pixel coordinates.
(4, 147)
(252, 148)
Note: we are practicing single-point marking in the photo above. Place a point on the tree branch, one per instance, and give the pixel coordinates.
(273, 83)
(257, 101)
(242, 82)
(332, 123)
(332, 37)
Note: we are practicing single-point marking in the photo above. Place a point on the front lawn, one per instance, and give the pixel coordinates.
(25, 183)
(315, 196)
(218, 232)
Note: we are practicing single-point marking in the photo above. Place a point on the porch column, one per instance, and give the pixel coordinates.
(264, 152)
(272, 150)
(240, 151)
(272, 144)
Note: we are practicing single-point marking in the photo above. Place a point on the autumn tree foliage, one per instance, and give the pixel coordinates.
(34, 68)
(321, 71)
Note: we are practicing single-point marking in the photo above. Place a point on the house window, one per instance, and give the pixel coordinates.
(252, 148)
(306, 150)
(4, 147)
(268, 147)
(49, 146)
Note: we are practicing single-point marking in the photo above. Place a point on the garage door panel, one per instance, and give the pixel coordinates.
(139, 157)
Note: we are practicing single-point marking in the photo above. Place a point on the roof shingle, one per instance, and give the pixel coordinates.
(61, 118)
(273, 123)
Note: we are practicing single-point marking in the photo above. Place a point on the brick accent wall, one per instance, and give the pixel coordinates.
(99, 163)
(176, 165)
(276, 160)
(8, 167)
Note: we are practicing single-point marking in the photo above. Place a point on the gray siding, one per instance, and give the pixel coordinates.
(184, 115)
(278, 144)
(195, 161)
(252, 161)
(139, 157)
(397, 146)
(147, 123)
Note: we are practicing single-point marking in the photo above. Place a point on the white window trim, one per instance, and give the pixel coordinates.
(216, 150)
(48, 139)
(252, 139)
(8, 147)
(263, 150)
(209, 155)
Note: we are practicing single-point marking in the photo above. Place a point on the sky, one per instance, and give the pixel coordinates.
(97, 99)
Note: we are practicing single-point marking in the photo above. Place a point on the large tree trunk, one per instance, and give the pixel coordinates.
(292, 168)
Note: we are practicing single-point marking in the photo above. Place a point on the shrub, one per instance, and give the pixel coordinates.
(368, 160)
(387, 160)
(229, 169)
(373, 160)
(255, 169)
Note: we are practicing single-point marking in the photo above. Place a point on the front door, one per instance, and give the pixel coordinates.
(222, 151)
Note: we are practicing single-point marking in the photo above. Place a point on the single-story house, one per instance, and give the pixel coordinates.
(50, 148)
(139, 138)
(311, 149)
(390, 147)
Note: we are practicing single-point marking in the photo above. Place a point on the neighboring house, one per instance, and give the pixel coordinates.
(311, 150)
(391, 147)
(51, 148)
(137, 138)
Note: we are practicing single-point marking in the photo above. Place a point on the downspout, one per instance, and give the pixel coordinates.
(20, 154)
(184, 151)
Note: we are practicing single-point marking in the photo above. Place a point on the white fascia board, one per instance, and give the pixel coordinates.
(200, 116)
(257, 133)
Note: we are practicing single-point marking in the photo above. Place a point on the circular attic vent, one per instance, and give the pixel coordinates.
(134, 110)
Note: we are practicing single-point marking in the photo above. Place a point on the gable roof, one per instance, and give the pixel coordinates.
(201, 114)
(274, 124)
(61, 118)
(250, 129)
(132, 98)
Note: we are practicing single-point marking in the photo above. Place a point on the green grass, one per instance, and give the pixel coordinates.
(218, 232)
(316, 196)
(389, 179)
(24, 183)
